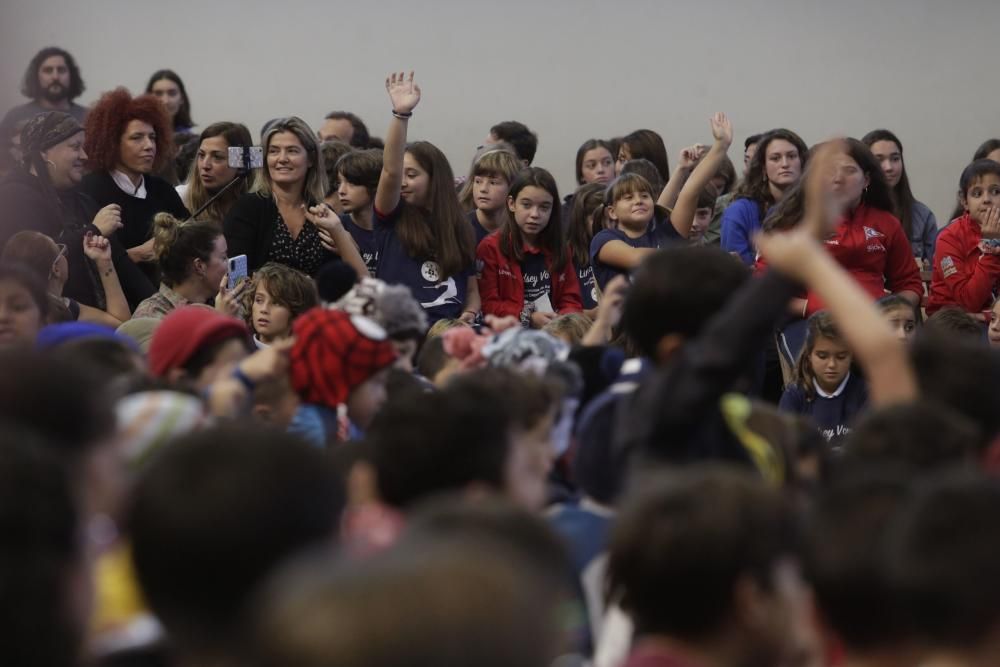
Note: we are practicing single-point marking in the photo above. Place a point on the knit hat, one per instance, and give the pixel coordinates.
(185, 331)
(391, 306)
(45, 131)
(54, 335)
(149, 419)
(334, 352)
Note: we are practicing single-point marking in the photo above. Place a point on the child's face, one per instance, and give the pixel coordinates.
(993, 333)
(598, 166)
(633, 210)
(366, 399)
(352, 197)
(271, 320)
(489, 193)
(702, 218)
(416, 182)
(830, 360)
(981, 196)
(902, 321)
(529, 461)
(531, 211)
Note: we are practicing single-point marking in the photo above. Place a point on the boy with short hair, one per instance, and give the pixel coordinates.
(358, 173)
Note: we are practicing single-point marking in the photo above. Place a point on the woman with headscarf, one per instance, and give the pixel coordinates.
(43, 196)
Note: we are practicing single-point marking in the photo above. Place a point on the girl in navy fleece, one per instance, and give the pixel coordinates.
(424, 240)
(825, 388)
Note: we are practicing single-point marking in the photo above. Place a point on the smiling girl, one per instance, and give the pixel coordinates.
(526, 269)
(425, 241)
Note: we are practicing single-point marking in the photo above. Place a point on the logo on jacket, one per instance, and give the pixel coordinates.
(948, 267)
(430, 272)
(873, 234)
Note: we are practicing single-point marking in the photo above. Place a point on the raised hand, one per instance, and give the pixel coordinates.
(822, 206)
(690, 156)
(109, 219)
(722, 129)
(96, 247)
(405, 94)
(991, 225)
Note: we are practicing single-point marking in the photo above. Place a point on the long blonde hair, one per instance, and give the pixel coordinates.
(314, 189)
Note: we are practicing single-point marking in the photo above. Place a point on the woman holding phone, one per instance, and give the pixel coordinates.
(194, 266)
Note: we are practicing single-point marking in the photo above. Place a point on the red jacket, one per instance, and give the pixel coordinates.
(963, 276)
(501, 285)
(871, 246)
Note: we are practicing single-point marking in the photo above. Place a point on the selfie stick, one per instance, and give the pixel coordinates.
(239, 177)
(242, 174)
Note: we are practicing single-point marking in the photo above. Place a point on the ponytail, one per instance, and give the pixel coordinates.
(177, 244)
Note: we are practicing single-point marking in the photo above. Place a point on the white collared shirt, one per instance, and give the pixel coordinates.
(122, 180)
(837, 392)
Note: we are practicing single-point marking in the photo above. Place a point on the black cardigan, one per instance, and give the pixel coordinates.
(26, 203)
(249, 228)
(137, 214)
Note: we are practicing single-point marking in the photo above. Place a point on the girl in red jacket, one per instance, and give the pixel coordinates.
(868, 240)
(525, 269)
(967, 257)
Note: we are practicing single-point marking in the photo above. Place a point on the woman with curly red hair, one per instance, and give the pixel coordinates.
(128, 139)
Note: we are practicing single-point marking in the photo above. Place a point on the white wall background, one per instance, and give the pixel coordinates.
(569, 69)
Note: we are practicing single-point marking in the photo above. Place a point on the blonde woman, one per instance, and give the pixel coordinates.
(284, 220)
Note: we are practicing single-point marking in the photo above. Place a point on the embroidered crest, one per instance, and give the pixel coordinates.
(948, 267)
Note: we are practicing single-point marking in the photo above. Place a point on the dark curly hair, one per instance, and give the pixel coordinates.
(29, 85)
(108, 119)
(754, 185)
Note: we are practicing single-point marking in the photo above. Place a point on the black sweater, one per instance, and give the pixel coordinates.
(137, 214)
(249, 228)
(26, 203)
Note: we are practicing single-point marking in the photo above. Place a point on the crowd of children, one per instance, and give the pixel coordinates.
(670, 419)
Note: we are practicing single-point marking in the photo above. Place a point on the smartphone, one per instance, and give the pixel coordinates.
(237, 270)
(246, 159)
